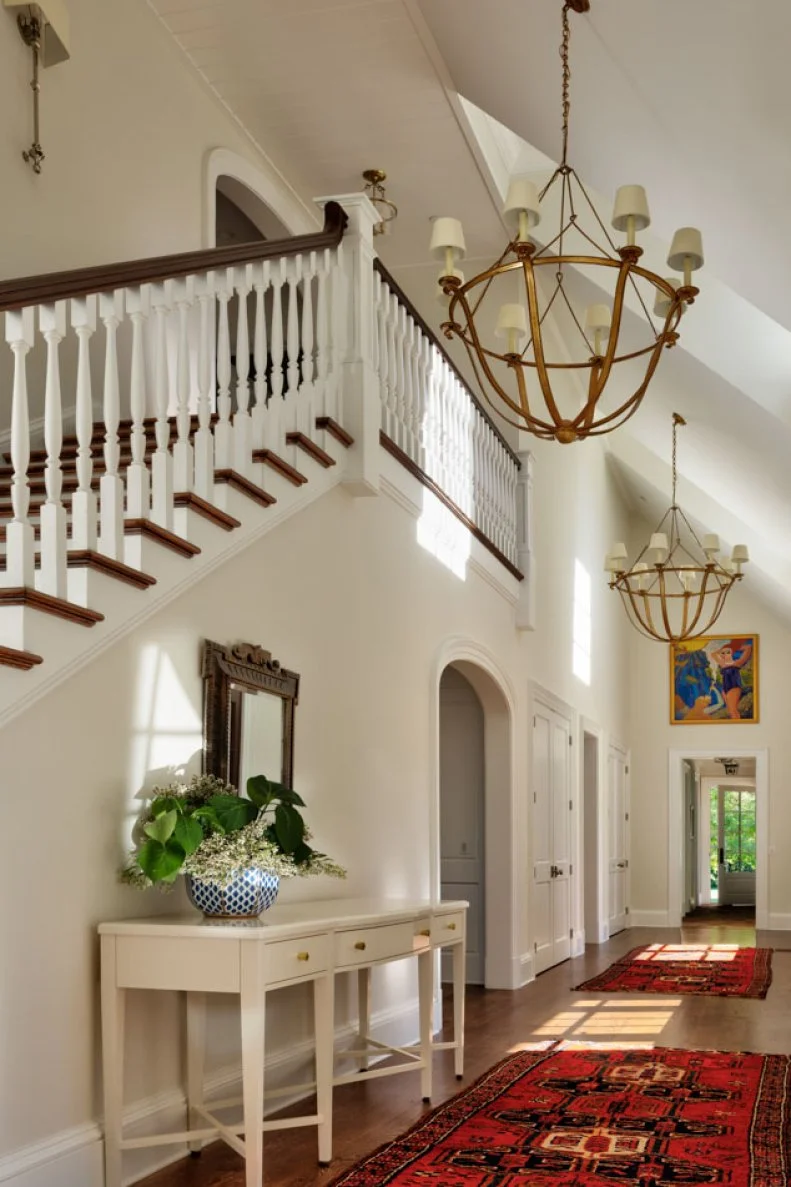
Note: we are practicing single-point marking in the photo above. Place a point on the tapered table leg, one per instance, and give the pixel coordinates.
(459, 980)
(196, 1062)
(425, 976)
(113, 1010)
(253, 1008)
(324, 1010)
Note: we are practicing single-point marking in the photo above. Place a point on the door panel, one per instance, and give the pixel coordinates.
(618, 838)
(736, 826)
(551, 840)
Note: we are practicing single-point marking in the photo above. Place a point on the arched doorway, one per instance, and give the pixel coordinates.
(241, 216)
(470, 686)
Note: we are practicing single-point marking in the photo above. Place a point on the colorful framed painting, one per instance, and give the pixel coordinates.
(714, 680)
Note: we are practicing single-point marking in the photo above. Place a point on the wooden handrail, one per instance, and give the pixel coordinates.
(404, 300)
(57, 286)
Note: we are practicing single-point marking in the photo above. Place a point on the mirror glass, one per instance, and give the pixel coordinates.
(259, 745)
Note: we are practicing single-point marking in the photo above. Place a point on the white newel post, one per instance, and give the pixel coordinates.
(362, 408)
(242, 427)
(183, 297)
(162, 460)
(52, 575)
(84, 507)
(111, 486)
(138, 482)
(204, 441)
(260, 412)
(20, 544)
(525, 607)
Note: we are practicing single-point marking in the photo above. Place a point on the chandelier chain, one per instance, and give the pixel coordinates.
(677, 420)
(564, 57)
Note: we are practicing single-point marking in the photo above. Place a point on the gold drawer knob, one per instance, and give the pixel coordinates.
(425, 932)
(303, 956)
(451, 927)
(360, 945)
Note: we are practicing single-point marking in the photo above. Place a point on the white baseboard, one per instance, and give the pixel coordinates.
(578, 944)
(651, 919)
(777, 922)
(524, 970)
(75, 1157)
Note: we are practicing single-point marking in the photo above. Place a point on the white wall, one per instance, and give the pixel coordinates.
(344, 595)
(653, 737)
(126, 127)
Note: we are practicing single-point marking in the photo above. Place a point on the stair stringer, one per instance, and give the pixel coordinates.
(70, 647)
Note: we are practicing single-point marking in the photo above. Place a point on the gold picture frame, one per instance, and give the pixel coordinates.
(705, 676)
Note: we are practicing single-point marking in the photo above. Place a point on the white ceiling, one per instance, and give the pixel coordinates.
(689, 99)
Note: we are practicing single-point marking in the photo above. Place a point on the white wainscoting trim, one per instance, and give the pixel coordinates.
(778, 922)
(650, 919)
(75, 1157)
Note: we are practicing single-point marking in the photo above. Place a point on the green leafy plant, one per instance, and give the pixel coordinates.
(206, 828)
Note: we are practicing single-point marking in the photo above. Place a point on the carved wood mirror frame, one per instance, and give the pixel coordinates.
(228, 672)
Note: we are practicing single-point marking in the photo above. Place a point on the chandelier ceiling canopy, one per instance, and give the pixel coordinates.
(677, 586)
(500, 314)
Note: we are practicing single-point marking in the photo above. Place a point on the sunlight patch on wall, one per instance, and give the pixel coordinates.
(167, 728)
(581, 626)
(444, 536)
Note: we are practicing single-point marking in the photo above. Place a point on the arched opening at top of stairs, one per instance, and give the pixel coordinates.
(244, 199)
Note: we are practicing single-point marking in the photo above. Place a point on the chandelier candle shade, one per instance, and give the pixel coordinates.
(677, 587)
(614, 345)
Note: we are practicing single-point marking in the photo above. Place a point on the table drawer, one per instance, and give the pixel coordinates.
(447, 928)
(369, 944)
(289, 959)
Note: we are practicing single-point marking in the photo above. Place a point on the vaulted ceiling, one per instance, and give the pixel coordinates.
(690, 100)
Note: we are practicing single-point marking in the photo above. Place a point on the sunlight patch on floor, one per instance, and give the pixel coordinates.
(612, 1018)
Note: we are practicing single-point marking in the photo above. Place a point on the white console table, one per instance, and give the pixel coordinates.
(288, 946)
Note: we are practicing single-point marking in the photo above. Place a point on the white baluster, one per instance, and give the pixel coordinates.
(293, 269)
(275, 417)
(338, 332)
(223, 433)
(111, 487)
(387, 339)
(322, 334)
(52, 576)
(84, 505)
(306, 407)
(162, 460)
(138, 480)
(242, 427)
(20, 543)
(204, 441)
(183, 297)
(417, 389)
(260, 339)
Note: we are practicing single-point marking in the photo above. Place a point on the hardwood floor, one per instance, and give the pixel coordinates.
(366, 1115)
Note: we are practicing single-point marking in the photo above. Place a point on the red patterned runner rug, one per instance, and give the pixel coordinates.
(599, 1119)
(723, 970)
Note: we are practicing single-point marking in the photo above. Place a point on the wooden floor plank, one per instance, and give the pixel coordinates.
(366, 1115)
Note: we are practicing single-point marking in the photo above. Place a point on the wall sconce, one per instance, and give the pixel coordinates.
(45, 31)
(375, 190)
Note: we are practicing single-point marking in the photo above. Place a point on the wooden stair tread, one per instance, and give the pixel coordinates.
(23, 661)
(154, 531)
(331, 426)
(89, 558)
(311, 448)
(188, 498)
(24, 595)
(276, 462)
(238, 482)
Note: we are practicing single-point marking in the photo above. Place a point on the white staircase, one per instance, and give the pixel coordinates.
(166, 413)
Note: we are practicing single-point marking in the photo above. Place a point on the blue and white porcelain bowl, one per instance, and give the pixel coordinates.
(246, 897)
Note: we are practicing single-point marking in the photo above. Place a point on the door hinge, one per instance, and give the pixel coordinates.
(535, 801)
(626, 867)
(534, 722)
(571, 933)
(626, 910)
(626, 817)
(571, 805)
(627, 770)
(571, 870)
(535, 945)
(570, 740)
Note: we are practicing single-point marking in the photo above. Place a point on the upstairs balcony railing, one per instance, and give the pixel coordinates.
(130, 388)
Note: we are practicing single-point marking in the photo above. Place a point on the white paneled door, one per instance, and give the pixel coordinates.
(617, 840)
(462, 807)
(552, 817)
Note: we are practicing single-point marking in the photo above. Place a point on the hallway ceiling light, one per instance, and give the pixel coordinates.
(517, 372)
(387, 210)
(677, 587)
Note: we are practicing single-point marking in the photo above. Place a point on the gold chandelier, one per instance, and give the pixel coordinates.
(677, 587)
(517, 378)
